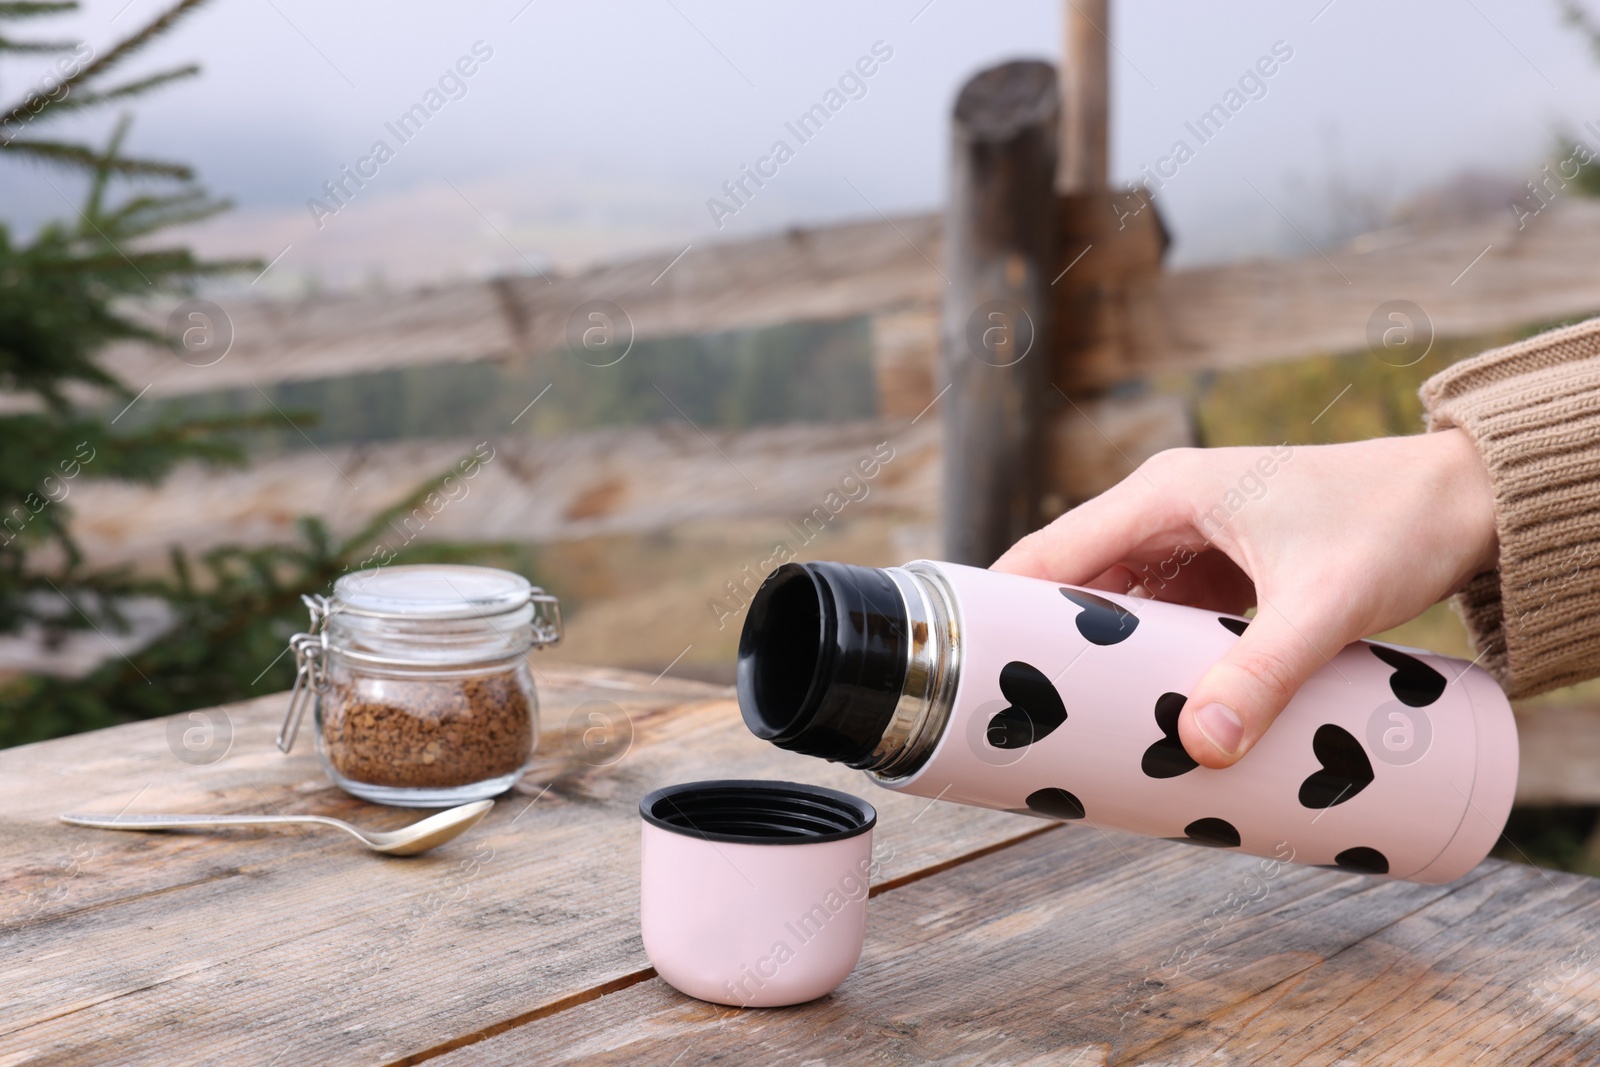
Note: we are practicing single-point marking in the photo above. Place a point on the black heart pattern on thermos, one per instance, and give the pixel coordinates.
(1210, 833)
(1055, 803)
(1035, 709)
(1359, 860)
(1345, 770)
(1413, 682)
(1167, 758)
(1101, 622)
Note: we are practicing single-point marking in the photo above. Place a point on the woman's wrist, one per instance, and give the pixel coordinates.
(1470, 493)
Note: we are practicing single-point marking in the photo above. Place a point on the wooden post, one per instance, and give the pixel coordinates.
(1001, 254)
(1086, 104)
(1110, 247)
(1085, 334)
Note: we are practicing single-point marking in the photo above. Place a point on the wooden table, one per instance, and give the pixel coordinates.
(991, 937)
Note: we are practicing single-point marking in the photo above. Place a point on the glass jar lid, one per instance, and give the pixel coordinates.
(435, 614)
(431, 591)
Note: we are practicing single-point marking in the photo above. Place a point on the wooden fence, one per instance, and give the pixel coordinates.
(1214, 317)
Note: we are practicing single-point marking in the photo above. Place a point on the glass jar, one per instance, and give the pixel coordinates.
(420, 681)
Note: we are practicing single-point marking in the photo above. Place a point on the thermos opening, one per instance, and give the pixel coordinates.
(822, 659)
(779, 650)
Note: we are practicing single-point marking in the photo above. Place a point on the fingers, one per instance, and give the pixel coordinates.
(1119, 579)
(1087, 541)
(1204, 578)
(1243, 693)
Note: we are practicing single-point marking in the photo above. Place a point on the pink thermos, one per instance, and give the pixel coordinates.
(1023, 695)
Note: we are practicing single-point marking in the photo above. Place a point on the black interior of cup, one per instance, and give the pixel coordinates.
(758, 812)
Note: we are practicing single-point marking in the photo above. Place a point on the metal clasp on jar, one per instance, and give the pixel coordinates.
(311, 670)
(546, 618)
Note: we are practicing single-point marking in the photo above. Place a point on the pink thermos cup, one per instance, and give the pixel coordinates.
(1043, 699)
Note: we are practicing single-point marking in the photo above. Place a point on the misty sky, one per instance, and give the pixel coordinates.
(596, 128)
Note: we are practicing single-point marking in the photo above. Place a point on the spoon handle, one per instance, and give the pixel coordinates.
(174, 822)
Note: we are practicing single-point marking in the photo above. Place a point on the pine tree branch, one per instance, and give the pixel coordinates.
(36, 47)
(130, 46)
(61, 303)
(141, 215)
(23, 9)
(79, 101)
(176, 262)
(73, 155)
(77, 92)
(93, 210)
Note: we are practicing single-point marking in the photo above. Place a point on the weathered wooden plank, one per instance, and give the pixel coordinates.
(905, 351)
(264, 946)
(1560, 754)
(1093, 443)
(1231, 315)
(1082, 948)
(836, 272)
(137, 764)
(1255, 312)
(532, 490)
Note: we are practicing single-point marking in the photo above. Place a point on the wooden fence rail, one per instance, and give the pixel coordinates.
(1232, 315)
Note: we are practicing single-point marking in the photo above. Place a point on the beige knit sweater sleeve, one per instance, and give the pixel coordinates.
(1533, 410)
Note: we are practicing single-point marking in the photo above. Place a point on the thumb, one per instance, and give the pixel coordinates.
(1243, 693)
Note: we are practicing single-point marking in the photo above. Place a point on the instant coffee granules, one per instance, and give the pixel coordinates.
(438, 732)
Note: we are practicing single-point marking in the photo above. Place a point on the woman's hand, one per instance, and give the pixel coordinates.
(1329, 542)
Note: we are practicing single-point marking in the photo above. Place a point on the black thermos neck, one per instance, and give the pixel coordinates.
(822, 659)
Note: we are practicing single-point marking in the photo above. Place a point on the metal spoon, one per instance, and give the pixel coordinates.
(419, 837)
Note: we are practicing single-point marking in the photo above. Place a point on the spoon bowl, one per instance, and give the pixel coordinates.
(411, 840)
(427, 833)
